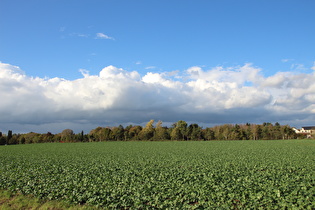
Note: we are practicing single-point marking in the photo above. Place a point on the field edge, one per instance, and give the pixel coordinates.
(13, 200)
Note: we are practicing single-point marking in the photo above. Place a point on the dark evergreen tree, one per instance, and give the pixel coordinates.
(9, 136)
(2, 140)
(194, 132)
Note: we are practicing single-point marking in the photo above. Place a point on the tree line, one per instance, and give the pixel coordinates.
(179, 131)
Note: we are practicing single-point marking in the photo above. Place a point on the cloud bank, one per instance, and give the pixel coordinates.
(219, 95)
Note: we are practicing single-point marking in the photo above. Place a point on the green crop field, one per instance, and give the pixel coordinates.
(149, 175)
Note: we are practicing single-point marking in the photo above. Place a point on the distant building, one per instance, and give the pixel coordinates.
(309, 131)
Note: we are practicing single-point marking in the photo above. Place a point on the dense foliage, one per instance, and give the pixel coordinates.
(178, 131)
(183, 175)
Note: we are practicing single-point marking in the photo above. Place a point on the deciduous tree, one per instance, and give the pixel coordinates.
(118, 133)
(147, 132)
(67, 135)
(161, 132)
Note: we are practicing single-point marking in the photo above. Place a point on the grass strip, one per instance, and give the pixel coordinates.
(9, 200)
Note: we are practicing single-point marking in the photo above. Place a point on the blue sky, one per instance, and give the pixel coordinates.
(57, 38)
(61, 39)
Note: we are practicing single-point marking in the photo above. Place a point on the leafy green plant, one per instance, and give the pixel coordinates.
(184, 175)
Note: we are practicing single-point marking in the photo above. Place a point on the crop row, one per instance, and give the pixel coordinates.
(183, 175)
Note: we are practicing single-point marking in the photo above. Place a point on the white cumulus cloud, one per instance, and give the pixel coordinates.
(116, 96)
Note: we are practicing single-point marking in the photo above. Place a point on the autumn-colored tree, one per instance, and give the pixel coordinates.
(178, 131)
(147, 132)
(161, 132)
(95, 134)
(117, 133)
(175, 134)
(208, 134)
(48, 137)
(67, 135)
